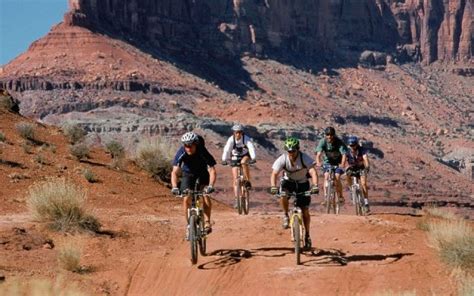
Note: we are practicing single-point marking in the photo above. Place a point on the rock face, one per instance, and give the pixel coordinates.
(427, 30)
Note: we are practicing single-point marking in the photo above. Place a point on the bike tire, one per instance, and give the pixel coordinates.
(245, 201)
(239, 204)
(362, 210)
(328, 199)
(296, 227)
(337, 205)
(355, 198)
(193, 238)
(202, 237)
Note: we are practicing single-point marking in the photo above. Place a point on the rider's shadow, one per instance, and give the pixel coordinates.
(334, 257)
(318, 257)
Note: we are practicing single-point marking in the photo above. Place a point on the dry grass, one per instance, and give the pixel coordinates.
(466, 285)
(38, 288)
(2, 137)
(73, 132)
(155, 156)
(454, 240)
(26, 130)
(61, 205)
(79, 151)
(69, 256)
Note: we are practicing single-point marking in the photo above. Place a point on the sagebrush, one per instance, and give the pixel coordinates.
(61, 205)
(74, 132)
(115, 149)
(26, 130)
(155, 156)
(79, 151)
(69, 256)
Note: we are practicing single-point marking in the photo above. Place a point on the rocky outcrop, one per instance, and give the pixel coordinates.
(427, 30)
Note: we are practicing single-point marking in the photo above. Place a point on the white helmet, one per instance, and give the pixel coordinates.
(237, 128)
(189, 138)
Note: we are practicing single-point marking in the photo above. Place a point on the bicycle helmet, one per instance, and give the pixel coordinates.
(330, 131)
(352, 140)
(292, 144)
(189, 138)
(237, 128)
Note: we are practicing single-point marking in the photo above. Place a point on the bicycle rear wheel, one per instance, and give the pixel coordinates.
(360, 200)
(245, 201)
(193, 239)
(337, 205)
(328, 199)
(296, 229)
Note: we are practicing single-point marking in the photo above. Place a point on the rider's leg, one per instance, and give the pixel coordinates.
(207, 205)
(245, 167)
(186, 206)
(365, 189)
(306, 219)
(235, 171)
(326, 178)
(284, 204)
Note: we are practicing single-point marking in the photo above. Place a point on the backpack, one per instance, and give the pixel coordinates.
(243, 142)
(302, 163)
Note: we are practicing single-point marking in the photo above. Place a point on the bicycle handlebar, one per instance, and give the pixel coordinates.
(293, 194)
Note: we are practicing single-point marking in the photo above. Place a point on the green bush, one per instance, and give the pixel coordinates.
(115, 149)
(90, 176)
(61, 205)
(2, 137)
(26, 130)
(74, 132)
(79, 150)
(155, 156)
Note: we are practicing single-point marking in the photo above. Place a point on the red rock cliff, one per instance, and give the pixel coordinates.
(425, 29)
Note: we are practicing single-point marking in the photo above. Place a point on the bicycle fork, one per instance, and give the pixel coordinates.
(297, 214)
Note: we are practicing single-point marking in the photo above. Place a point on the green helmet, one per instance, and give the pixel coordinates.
(292, 144)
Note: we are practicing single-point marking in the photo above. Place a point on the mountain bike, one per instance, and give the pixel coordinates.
(357, 196)
(331, 199)
(243, 195)
(296, 224)
(197, 234)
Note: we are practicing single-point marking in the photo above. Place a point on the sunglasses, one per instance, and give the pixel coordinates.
(292, 151)
(188, 145)
(329, 135)
(353, 145)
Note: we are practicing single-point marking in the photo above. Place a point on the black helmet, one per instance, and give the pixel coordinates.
(330, 131)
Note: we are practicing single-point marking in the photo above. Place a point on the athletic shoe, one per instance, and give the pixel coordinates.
(286, 222)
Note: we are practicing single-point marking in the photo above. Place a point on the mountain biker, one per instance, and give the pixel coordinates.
(358, 160)
(296, 166)
(193, 161)
(239, 149)
(334, 155)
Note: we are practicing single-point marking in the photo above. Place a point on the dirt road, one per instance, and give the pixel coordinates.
(252, 255)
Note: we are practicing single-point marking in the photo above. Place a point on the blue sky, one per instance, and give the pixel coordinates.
(24, 21)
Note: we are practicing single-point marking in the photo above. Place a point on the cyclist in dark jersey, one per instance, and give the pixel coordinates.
(334, 151)
(193, 162)
(358, 160)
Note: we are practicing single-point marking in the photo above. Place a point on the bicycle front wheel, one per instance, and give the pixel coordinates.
(245, 201)
(356, 201)
(296, 227)
(202, 236)
(360, 200)
(328, 199)
(193, 238)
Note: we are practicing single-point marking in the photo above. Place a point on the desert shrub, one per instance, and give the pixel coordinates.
(2, 137)
(115, 149)
(69, 257)
(454, 241)
(73, 132)
(466, 285)
(40, 159)
(61, 205)
(79, 150)
(26, 130)
(89, 175)
(155, 157)
(27, 148)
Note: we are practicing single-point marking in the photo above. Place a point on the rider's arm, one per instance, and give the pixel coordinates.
(212, 175)
(314, 175)
(227, 149)
(318, 158)
(366, 161)
(251, 148)
(174, 176)
(273, 178)
(343, 161)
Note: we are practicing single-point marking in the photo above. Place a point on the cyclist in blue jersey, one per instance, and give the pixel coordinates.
(192, 162)
(358, 160)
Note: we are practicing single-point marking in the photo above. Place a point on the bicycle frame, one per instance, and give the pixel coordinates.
(331, 198)
(356, 194)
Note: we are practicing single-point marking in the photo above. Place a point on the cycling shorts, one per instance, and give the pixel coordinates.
(290, 186)
(188, 181)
